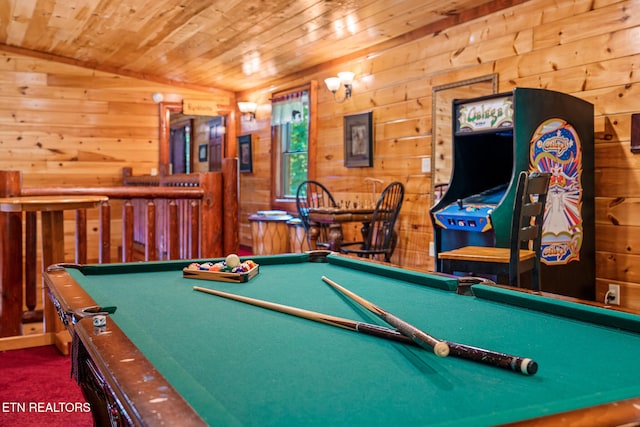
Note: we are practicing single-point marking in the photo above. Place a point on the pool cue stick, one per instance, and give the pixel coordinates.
(523, 365)
(476, 354)
(352, 325)
(440, 348)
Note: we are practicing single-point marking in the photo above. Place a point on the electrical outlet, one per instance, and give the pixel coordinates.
(613, 295)
(426, 164)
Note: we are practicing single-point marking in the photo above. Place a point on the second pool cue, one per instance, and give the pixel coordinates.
(523, 365)
(439, 348)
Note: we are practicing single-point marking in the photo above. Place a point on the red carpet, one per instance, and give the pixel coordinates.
(36, 389)
(244, 251)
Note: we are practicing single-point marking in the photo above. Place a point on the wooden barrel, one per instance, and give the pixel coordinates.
(298, 240)
(270, 233)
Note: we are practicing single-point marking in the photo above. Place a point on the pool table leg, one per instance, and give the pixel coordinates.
(53, 252)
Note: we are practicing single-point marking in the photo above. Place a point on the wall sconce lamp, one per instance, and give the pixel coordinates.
(345, 78)
(248, 110)
(157, 97)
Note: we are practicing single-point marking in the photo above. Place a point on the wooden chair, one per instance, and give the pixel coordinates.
(312, 194)
(381, 238)
(526, 233)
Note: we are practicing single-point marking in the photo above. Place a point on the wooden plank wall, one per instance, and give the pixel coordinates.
(63, 126)
(588, 48)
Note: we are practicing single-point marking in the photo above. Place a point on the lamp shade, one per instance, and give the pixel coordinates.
(247, 107)
(346, 77)
(333, 83)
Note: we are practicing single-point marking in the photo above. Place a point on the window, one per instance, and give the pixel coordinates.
(292, 130)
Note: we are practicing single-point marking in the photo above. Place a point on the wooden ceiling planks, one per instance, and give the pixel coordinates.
(227, 44)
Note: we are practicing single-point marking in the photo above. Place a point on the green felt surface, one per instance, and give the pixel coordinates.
(243, 365)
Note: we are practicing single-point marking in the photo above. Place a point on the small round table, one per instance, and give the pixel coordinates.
(52, 220)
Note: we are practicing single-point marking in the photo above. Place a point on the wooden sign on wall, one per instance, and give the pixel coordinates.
(199, 108)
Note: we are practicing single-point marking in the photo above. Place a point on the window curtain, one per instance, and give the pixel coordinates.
(289, 108)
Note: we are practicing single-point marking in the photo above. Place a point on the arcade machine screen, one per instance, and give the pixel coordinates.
(487, 163)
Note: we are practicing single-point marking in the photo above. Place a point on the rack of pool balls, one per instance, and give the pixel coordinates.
(229, 270)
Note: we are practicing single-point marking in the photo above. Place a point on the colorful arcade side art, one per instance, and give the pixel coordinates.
(556, 148)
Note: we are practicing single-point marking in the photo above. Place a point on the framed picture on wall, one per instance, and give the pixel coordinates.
(358, 140)
(245, 154)
(202, 152)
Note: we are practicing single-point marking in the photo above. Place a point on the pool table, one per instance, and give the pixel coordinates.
(170, 355)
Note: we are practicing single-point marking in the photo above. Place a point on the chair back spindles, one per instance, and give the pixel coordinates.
(312, 194)
(526, 232)
(384, 218)
(381, 238)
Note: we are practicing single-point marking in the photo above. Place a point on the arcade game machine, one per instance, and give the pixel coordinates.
(495, 138)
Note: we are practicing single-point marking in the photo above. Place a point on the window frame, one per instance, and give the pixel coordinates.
(289, 203)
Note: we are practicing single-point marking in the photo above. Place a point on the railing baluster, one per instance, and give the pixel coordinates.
(150, 242)
(174, 241)
(163, 242)
(30, 269)
(31, 248)
(81, 236)
(104, 254)
(194, 234)
(127, 231)
(184, 235)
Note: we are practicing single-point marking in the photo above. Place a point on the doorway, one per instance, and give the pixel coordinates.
(217, 132)
(180, 142)
(196, 143)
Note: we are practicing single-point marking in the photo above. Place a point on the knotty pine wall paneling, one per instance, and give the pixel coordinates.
(67, 126)
(590, 49)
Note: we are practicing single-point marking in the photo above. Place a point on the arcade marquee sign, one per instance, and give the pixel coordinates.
(494, 113)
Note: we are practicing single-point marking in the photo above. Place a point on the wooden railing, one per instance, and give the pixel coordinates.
(162, 217)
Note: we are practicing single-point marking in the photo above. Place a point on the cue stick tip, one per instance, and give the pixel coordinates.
(441, 349)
